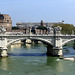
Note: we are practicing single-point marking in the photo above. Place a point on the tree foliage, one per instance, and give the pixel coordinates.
(66, 28)
(42, 28)
(14, 28)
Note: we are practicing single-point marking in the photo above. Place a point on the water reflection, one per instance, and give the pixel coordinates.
(34, 61)
(28, 46)
(3, 64)
(59, 66)
(55, 64)
(15, 46)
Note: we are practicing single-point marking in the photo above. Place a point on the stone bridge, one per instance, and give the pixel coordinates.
(54, 41)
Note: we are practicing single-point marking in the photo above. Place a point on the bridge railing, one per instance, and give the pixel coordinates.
(14, 33)
(21, 33)
(49, 34)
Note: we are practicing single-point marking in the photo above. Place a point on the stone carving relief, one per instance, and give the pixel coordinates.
(2, 29)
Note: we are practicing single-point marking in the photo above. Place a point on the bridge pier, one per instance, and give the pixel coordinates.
(49, 50)
(3, 47)
(58, 51)
(53, 51)
(3, 52)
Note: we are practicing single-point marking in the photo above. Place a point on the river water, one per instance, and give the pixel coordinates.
(30, 59)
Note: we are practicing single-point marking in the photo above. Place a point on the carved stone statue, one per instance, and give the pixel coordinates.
(57, 30)
(2, 29)
(50, 30)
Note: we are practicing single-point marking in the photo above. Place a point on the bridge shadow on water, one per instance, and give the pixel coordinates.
(27, 54)
(69, 51)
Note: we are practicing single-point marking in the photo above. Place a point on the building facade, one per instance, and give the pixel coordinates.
(5, 20)
(42, 23)
(33, 26)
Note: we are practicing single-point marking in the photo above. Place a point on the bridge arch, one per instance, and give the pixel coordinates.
(67, 41)
(39, 39)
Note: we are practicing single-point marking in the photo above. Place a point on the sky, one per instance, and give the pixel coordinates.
(37, 10)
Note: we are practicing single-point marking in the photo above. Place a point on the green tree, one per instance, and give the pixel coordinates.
(15, 28)
(66, 28)
(41, 28)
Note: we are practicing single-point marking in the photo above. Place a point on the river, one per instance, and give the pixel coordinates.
(30, 59)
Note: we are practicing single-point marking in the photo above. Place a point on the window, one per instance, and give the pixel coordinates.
(7, 20)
